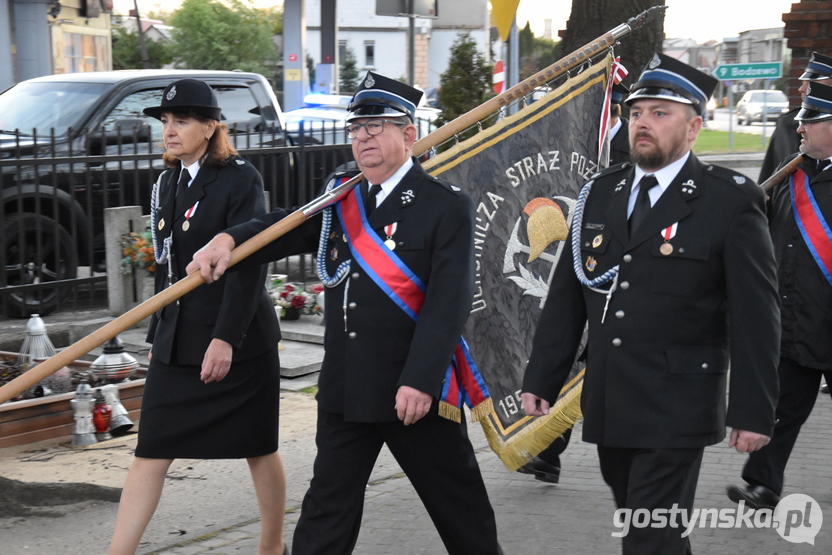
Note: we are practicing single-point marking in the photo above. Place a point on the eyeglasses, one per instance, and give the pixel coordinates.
(373, 127)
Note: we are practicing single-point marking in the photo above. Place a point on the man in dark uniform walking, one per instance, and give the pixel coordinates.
(785, 140)
(799, 211)
(398, 265)
(672, 258)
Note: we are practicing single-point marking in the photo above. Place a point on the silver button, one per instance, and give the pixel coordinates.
(681, 250)
(628, 257)
(790, 245)
(704, 366)
(616, 342)
(352, 305)
(619, 314)
(353, 335)
(625, 285)
(354, 275)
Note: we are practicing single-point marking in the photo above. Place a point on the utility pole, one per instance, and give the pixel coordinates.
(140, 31)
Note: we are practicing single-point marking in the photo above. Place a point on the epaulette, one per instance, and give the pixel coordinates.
(611, 170)
(236, 161)
(729, 176)
(455, 189)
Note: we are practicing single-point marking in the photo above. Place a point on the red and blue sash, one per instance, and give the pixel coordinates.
(810, 221)
(463, 381)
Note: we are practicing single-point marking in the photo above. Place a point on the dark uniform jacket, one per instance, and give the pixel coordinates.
(785, 141)
(656, 368)
(237, 309)
(376, 347)
(805, 293)
(620, 144)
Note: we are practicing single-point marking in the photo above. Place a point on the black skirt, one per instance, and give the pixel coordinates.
(234, 418)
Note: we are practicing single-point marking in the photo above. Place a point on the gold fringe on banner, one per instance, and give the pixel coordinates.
(517, 444)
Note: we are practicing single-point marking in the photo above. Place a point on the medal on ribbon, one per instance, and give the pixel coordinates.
(186, 225)
(389, 230)
(667, 234)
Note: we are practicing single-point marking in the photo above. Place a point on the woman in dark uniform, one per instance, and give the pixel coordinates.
(213, 384)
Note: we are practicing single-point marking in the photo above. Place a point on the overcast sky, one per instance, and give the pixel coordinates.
(701, 20)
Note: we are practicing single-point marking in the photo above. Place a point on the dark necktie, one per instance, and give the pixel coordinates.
(181, 190)
(642, 206)
(371, 199)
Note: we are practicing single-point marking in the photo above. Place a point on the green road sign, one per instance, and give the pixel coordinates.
(756, 70)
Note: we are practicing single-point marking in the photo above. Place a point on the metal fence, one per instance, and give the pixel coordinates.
(54, 192)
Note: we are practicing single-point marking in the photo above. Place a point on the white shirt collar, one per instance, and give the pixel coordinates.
(614, 129)
(664, 176)
(193, 169)
(391, 182)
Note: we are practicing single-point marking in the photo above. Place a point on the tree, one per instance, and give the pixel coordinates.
(126, 51)
(592, 18)
(349, 71)
(209, 34)
(535, 53)
(466, 83)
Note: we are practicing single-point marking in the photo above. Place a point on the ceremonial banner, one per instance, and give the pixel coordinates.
(524, 174)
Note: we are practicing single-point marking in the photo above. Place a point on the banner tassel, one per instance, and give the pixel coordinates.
(482, 410)
(449, 411)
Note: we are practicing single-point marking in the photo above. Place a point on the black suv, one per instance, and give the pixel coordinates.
(72, 145)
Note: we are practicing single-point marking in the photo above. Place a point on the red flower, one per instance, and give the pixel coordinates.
(317, 289)
(298, 302)
(288, 288)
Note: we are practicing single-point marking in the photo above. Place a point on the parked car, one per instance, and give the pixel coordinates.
(55, 184)
(751, 105)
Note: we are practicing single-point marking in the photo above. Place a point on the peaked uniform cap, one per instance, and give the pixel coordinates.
(820, 67)
(817, 106)
(668, 78)
(380, 96)
(185, 96)
(619, 93)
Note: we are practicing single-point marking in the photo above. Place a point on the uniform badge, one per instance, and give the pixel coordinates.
(161, 224)
(171, 93)
(596, 242)
(620, 185)
(739, 180)
(654, 62)
(591, 263)
(369, 82)
(333, 254)
(240, 162)
(408, 197)
(186, 225)
(688, 187)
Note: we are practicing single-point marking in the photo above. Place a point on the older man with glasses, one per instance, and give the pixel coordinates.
(396, 256)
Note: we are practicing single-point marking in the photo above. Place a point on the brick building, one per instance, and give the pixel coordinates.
(808, 28)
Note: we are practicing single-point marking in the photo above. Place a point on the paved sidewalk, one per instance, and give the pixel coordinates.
(575, 516)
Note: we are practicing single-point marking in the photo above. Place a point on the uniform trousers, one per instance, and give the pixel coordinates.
(653, 479)
(799, 387)
(437, 457)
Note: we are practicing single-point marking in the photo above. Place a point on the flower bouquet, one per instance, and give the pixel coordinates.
(294, 299)
(137, 251)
